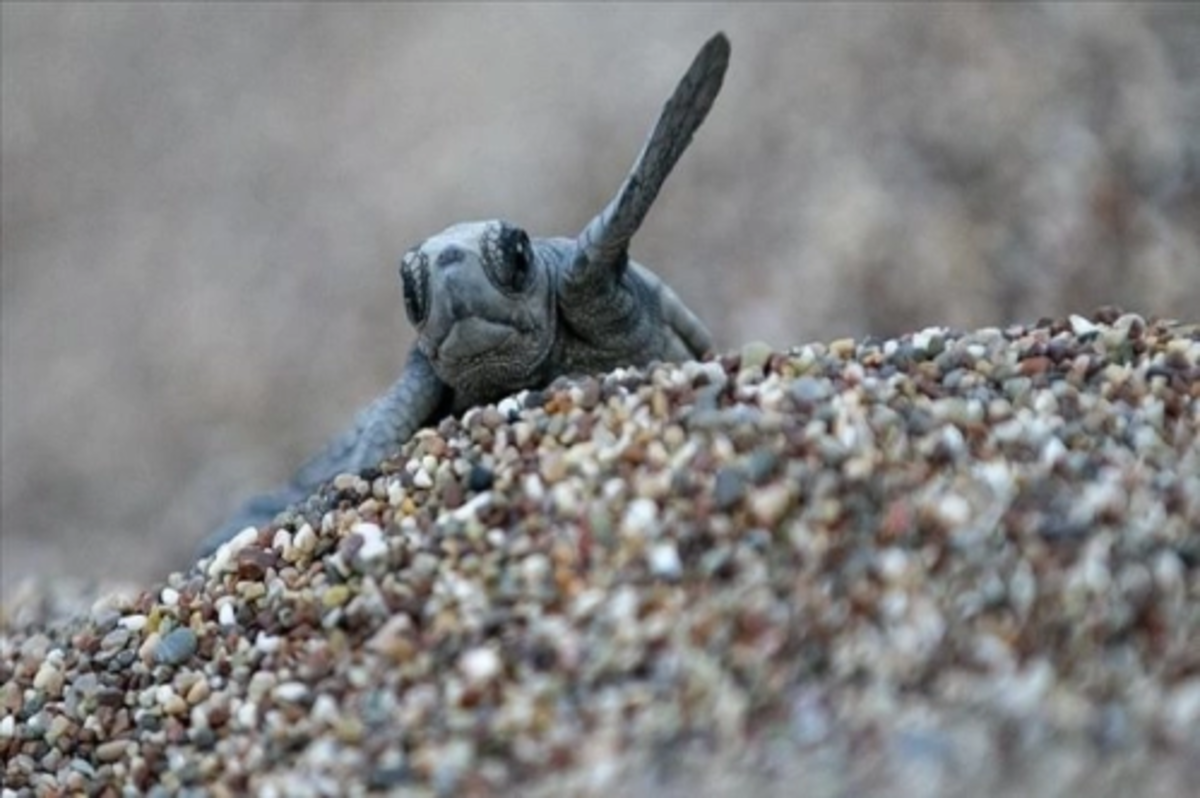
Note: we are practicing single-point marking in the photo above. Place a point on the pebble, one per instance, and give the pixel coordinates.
(374, 545)
(947, 563)
(663, 559)
(480, 478)
(111, 751)
(305, 539)
(729, 488)
(291, 692)
(175, 647)
(422, 480)
(480, 666)
(640, 517)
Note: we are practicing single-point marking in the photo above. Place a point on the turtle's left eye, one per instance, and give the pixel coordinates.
(414, 275)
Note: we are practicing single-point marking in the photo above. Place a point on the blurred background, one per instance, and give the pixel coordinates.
(204, 206)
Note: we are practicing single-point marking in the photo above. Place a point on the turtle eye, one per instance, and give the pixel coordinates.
(414, 276)
(517, 253)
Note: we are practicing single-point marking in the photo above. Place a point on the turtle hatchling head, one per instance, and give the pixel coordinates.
(479, 295)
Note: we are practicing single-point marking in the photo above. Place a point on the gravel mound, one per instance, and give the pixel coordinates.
(916, 566)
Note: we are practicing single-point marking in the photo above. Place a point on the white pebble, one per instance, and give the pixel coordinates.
(1053, 452)
(325, 709)
(769, 504)
(45, 674)
(508, 406)
(225, 556)
(374, 545)
(1045, 403)
(639, 517)
(954, 510)
(134, 623)
(290, 692)
(226, 616)
(1020, 693)
(480, 665)
(470, 510)
(1169, 572)
(664, 560)
(395, 492)
(565, 496)
(925, 338)
(282, 540)
(422, 479)
(535, 568)
(892, 564)
(267, 644)
(169, 597)
(532, 485)
(247, 715)
(305, 540)
(1182, 709)
(623, 605)
(1081, 326)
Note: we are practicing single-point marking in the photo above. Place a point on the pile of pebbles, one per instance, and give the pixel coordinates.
(913, 566)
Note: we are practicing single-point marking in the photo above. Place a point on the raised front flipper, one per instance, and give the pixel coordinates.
(416, 399)
(602, 246)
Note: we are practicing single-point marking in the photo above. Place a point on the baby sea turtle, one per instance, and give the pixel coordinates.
(497, 311)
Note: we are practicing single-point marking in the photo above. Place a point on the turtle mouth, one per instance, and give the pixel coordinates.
(472, 343)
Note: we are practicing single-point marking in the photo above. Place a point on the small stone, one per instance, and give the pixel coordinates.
(1082, 327)
(224, 557)
(664, 562)
(842, 348)
(480, 478)
(374, 545)
(479, 665)
(930, 341)
(176, 646)
(267, 644)
(535, 568)
(291, 692)
(640, 517)
(282, 540)
(49, 680)
(115, 640)
(729, 488)
(509, 407)
(170, 701)
(134, 623)
(336, 596)
(754, 356)
(768, 504)
(305, 540)
(954, 511)
(198, 692)
(58, 727)
(112, 750)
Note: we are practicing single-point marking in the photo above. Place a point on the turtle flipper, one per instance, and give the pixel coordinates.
(416, 399)
(604, 241)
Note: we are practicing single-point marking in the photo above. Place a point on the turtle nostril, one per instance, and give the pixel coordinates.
(449, 256)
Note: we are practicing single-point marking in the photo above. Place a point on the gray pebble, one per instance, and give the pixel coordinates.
(729, 489)
(176, 647)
